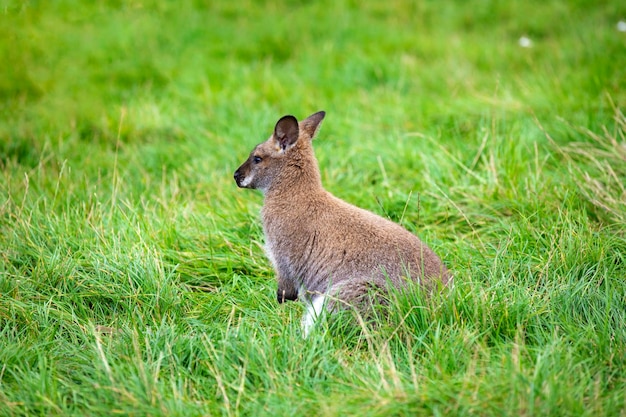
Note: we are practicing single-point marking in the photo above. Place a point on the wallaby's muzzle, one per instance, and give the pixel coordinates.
(243, 176)
(239, 177)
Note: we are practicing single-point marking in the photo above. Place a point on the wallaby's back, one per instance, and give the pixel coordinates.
(318, 243)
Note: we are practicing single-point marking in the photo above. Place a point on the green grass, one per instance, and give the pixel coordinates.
(132, 275)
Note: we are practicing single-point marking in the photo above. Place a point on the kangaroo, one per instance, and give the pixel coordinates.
(324, 250)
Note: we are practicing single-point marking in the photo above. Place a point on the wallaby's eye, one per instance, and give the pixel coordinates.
(257, 159)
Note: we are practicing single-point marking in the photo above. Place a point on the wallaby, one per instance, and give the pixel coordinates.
(323, 249)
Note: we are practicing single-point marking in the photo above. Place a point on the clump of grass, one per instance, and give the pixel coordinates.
(598, 164)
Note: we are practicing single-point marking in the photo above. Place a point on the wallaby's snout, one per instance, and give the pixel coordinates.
(243, 176)
(238, 177)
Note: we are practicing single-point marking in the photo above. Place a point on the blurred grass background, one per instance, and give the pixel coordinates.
(132, 279)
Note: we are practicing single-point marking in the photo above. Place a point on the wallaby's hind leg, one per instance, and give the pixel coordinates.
(361, 295)
(314, 310)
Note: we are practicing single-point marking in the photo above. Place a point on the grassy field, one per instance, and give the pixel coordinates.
(132, 275)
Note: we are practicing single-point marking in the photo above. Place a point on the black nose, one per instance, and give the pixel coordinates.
(237, 175)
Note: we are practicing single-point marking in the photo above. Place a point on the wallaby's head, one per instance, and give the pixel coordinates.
(286, 157)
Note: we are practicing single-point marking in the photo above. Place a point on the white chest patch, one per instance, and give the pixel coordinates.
(269, 252)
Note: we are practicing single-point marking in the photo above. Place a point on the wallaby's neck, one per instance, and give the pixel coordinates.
(301, 177)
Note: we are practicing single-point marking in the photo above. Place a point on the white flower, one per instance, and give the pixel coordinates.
(525, 42)
(621, 26)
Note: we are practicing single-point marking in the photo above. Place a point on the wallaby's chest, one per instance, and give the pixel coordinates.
(289, 236)
(281, 239)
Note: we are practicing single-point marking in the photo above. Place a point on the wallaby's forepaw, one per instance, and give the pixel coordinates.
(284, 295)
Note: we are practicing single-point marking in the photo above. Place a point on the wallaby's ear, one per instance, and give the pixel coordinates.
(311, 125)
(286, 131)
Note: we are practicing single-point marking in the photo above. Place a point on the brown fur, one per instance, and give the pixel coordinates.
(318, 243)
